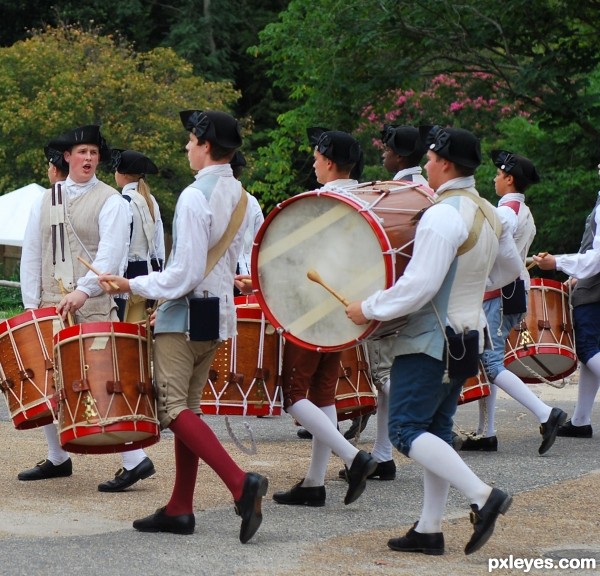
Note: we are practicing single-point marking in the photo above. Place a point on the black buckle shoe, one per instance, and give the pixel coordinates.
(304, 434)
(357, 427)
(484, 520)
(250, 504)
(362, 466)
(45, 469)
(384, 471)
(125, 478)
(299, 495)
(160, 522)
(549, 429)
(479, 444)
(413, 541)
(568, 430)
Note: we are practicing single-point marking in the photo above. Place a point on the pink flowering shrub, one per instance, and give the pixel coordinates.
(472, 100)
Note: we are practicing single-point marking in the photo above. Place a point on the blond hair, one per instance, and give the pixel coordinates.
(144, 190)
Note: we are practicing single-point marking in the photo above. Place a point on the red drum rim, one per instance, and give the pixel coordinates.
(99, 329)
(354, 407)
(549, 350)
(228, 409)
(472, 393)
(69, 438)
(35, 417)
(27, 317)
(388, 262)
(548, 283)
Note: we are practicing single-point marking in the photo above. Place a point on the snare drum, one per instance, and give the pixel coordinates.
(358, 241)
(245, 377)
(475, 388)
(106, 397)
(355, 394)
(542, 346)
(27, 366)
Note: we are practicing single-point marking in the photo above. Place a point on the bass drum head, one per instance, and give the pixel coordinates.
(326, 232)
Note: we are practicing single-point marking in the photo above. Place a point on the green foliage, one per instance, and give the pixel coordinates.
(542, 56)
(10, 298)
(65, 77)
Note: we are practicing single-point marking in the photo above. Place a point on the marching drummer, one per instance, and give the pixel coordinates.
(78, 217)
(402, 155)
(310, 377)
(504, 308)
(440, 294)
(147, 245)
(197, 316)
(585, 298)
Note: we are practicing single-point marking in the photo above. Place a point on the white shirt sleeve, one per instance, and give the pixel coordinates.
(159, 234)
(31, 259)
(113, 225)
(439, 234)
(582, 265)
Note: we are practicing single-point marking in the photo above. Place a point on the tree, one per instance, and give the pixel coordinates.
(65, 77)
(542, 53)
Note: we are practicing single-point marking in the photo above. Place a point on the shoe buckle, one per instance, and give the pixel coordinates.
(474, 517)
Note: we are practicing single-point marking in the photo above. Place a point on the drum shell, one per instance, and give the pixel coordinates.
(107, 401)
(245, 380)
(359, 241)
(542, 346)
(475, 388)
(27, 366)
(355, 394)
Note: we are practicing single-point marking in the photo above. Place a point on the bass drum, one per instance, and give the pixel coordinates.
(358, 240)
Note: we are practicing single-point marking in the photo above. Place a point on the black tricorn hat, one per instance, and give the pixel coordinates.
(455, 144)
(238, 160)
(218, 127)
(89, 134)
(57, 158)
(403, 140)
(516, 165)
(131, 162)
(339, 147)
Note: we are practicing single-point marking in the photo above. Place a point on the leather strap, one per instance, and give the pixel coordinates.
(485, 211)
(237, 217)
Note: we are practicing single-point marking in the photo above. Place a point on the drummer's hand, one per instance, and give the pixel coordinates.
(545, 261)
(122, 283)
(354, 312)
(570, 282)
(152, 318)
(72, 302)
(243, 282)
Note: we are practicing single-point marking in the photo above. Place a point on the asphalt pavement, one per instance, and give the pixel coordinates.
(66, 527)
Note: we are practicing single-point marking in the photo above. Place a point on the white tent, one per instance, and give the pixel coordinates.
(14, 213)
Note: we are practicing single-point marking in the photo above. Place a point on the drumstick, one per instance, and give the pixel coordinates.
(64, 293)
(90, 267)
(534, 263)
(315, 277)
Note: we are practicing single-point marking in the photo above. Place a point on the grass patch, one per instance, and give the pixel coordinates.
(10, 298)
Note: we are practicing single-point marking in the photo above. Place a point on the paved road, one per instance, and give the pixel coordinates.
(65, 527)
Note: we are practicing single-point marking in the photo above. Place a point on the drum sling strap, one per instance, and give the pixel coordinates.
(485, 212)
(217, 251)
